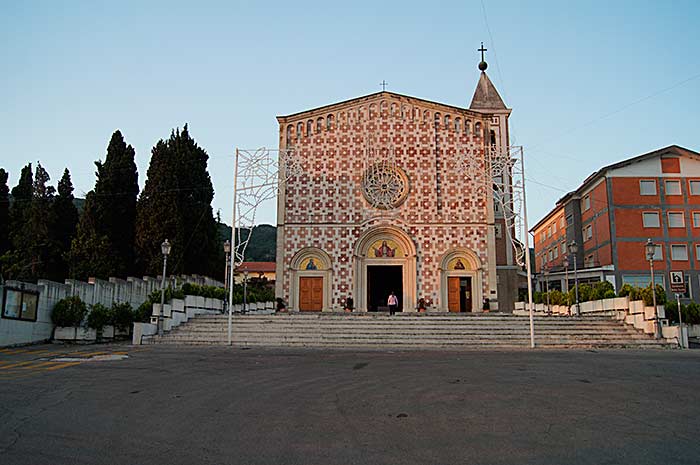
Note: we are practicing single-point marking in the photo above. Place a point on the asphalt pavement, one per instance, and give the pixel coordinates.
(216, 405)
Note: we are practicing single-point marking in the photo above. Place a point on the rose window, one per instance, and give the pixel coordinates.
(385, 186)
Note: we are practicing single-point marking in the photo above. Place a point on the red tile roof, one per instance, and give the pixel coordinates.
(257, 267)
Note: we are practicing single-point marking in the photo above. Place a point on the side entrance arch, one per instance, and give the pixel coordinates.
(310, 280)
(385, 262)
(461, 278)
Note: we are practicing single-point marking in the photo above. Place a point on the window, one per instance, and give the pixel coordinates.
(561, 223)
(588, 261)
(549, 231)
(587, 232)
(647, 187)
(694, 185)
(556, 252)
(586, 203)
(19, 304)
(679, 252)
(642, 280)
(696, 219)
(563, 248)
(658, 253)
(554, 228)
(697, 251)
(550, 256)
(650, 219)
(675, 220)
(672, 187)
(570, 219)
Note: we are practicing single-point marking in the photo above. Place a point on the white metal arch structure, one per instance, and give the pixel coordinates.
(257, 177)
(502, 169)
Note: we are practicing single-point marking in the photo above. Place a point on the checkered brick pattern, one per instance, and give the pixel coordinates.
(325, 207)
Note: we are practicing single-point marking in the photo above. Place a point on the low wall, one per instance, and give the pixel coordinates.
(131, 290)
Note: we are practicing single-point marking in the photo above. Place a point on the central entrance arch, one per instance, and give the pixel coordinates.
(385, 261)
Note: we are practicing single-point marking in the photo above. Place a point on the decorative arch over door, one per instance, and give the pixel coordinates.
(461, 278)
(311, 274)
(385, 246)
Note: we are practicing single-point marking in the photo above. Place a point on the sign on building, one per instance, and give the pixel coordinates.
(677, 282)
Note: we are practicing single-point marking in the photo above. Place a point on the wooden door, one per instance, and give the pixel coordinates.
(311, 294)
(453, 294)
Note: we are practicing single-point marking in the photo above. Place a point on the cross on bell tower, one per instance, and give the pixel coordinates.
(482, 65)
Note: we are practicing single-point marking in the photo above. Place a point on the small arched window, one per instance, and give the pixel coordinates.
(468, 127)
(329, 122)
(426, 116)
(492, 135)
(393, 109)
(477, 130)
(458, 124)
(290, 128)
(309, 126)
(319, 124)
(382, 108)
(437, 120)
(300, 127)
(403, 111)
(447, 121)
(360, 113)
(372, 111)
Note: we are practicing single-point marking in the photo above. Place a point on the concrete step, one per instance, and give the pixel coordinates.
(406, 331)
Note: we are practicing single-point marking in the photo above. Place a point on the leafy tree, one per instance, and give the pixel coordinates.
(106, 228)
(65, 219)
(4, 213)
(176, 204)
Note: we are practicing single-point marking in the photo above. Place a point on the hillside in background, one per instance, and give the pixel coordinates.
(262, 246)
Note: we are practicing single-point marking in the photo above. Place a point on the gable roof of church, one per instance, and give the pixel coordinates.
(374, 96)
(486, 96)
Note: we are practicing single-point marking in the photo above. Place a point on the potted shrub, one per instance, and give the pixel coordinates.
(67, 315)
(122, 318)
(98, 318)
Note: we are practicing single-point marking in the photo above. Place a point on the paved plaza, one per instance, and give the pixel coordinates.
(119, 404)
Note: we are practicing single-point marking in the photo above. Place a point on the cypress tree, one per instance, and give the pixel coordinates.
(4, 213)
(106, 227)
(65, 219)
(176, 204)
(31, 219)
(13, 261)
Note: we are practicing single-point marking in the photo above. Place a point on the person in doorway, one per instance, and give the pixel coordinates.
(393, 303)
(349, 304)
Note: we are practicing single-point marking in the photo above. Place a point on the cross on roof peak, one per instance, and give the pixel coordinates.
(383, 84)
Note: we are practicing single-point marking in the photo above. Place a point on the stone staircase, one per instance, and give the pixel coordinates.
(408, 331)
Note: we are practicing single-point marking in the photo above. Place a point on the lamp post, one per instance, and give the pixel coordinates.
(227, 254)
(565, 263)
(165, 248)
(650, 249)
(545, 272)
(573, 248)
(245, 290)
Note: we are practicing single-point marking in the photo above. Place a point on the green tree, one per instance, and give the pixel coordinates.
(65, 219)
(4, 213)
(176, 204)
(106, 228)
(31, 219)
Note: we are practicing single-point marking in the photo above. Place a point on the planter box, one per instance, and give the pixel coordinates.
(107, 332)
(64, 333)
(122, 332)
(85, 335)
(143, 329)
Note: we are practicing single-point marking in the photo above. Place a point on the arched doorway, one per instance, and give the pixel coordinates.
(385, 262)
(311, 280)
(461, 280)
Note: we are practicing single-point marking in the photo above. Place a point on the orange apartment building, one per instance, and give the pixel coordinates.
(611, 216)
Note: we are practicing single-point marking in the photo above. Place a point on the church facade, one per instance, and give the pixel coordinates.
(384, 202)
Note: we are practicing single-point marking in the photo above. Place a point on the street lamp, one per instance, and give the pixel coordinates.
(245, 290)
(565, 263)
(545, 272)
(573, 248)
(227, 254)
(650, 249)
(165, 248)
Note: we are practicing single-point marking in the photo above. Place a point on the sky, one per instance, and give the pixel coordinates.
(590, 82)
